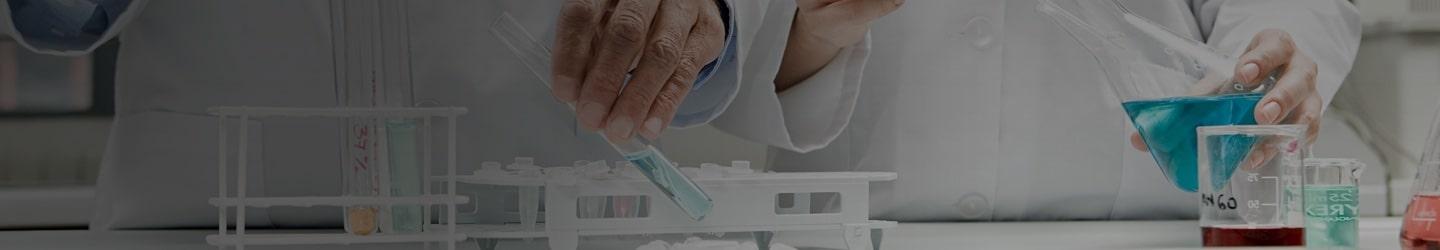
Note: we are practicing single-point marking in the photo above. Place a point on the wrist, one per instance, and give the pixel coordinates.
(826, 34)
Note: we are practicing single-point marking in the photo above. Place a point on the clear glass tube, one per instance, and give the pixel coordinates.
(360, 178)
(405, 179)
(676, 186)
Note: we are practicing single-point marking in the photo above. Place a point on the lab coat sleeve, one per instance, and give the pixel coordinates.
(805, 117)
(1326, 30)
(708, 99)
(65, 27)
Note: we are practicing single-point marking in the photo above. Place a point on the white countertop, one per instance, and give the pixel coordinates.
(1375, 233)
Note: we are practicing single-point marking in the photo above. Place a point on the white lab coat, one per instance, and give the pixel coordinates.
(179, 57)
(989, 111)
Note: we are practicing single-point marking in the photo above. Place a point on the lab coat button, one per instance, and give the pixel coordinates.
(980, 32)
(972, 205)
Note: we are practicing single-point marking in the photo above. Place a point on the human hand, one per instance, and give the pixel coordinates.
(839, 23)
(661, 44)
(1292, 100)
(821, 29)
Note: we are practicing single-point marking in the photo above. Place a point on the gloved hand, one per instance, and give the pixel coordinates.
(1293, 99)
(664, 43)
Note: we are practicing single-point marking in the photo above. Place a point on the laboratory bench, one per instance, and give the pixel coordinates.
(1375, 233)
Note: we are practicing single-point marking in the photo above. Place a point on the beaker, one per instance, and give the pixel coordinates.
(1169, 83)
(1332, 199)
(1250, 185)
(1417, 230)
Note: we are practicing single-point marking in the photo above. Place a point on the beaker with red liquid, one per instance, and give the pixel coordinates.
(1250, 186)
(1418, 231)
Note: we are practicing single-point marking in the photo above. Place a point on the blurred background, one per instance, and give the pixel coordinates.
(55, 117)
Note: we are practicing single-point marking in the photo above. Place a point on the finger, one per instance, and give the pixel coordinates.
(624, 36)
(703, 45)
(1138, 143)
(868, 9)
(673, 22)
(574, 33)
(1269, 51)
(1308, 114)
(1260, 153)
(1296, 84)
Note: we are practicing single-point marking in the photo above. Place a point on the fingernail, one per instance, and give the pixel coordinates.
(591, 115)
(1271, 112)
(620, 128)
(1249, 72)
(652, 128)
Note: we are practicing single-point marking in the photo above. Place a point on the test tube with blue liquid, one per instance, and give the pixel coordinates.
(653, 164)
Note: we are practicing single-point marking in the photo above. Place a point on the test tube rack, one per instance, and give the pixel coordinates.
(744, 203)
(443, 232)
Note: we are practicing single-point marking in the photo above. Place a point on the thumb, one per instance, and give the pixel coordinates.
(1138, 143)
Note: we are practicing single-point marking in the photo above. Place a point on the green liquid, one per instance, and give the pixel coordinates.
(404, 175)
(1330, 212)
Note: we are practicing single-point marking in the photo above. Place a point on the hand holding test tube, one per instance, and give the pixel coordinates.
(680, 189)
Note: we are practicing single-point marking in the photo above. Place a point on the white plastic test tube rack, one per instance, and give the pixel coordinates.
(443, 233)
(745, 202)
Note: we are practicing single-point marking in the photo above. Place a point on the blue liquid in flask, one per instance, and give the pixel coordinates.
(679, 189)
(1168, 127)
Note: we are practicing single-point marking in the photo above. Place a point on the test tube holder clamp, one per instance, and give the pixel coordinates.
(748, 203)
(443, 233)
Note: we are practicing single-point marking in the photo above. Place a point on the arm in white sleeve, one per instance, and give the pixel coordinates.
(806, 117)
(65, 27)
(1326, 30)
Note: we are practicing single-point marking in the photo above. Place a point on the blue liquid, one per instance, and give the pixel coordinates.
(679, 189)
(1168, 127)
(1226, 154)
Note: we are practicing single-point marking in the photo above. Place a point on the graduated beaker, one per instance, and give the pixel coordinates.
(1250, 185)
(1169, 83)
(1332, 199)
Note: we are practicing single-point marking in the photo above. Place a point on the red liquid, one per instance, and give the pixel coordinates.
(1417, 231)
(1226, 236)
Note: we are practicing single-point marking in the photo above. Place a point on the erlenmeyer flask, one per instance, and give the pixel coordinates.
(1417, 231)
(1169, 84)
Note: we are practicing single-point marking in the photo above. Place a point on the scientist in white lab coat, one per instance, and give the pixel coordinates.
(178, 58)
(989, 111)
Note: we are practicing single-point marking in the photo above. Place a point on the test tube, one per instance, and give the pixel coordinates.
(590, 206)
(1332, 196)
(405, 179)
(359, 159)
(656, 167)
(529, 195)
